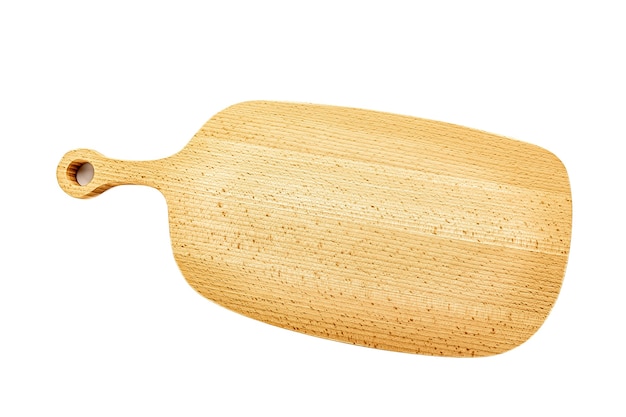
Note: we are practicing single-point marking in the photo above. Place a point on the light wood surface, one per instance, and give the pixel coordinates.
(369, 228)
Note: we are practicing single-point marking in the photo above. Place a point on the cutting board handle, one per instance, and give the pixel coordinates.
(107, 173)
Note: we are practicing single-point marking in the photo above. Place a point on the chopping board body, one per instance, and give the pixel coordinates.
(370, 228)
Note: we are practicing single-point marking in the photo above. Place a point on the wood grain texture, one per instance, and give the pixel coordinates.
(369, 228)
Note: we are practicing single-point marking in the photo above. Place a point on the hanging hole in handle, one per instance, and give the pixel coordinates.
(80, 172)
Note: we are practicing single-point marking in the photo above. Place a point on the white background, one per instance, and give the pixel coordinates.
(95, 317)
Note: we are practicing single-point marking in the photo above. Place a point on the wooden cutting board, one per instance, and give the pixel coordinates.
(370, 228)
